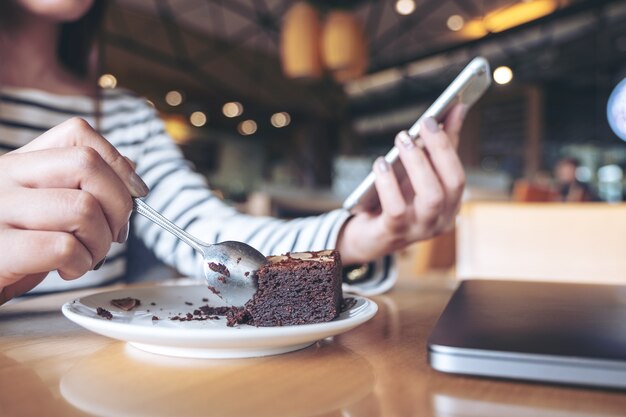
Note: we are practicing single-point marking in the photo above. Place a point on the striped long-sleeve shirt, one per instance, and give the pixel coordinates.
(182, 195)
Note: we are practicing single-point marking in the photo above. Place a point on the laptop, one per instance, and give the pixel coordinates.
(548, 332)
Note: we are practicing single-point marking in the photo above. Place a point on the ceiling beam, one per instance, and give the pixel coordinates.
(172, 30)
(576, 8)
(394, 33)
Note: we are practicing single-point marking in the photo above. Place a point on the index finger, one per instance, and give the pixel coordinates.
(454, 122)
(77, 132)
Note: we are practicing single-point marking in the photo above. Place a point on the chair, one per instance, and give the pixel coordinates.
(526, 191)
(542, 241)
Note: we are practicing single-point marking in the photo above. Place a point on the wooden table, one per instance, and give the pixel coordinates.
(52, 367)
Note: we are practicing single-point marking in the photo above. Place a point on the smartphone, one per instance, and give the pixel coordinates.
(466, 88)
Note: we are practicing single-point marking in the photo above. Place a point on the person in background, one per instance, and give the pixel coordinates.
(74, 156)
(570, 189)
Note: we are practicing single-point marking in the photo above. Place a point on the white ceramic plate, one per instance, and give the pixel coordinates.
(199, 339)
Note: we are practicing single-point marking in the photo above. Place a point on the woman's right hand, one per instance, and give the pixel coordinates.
(64, 198)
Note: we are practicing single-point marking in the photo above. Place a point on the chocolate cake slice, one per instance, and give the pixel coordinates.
(297, 288)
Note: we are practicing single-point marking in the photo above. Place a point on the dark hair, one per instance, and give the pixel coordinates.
(570, 160)
(76, 40)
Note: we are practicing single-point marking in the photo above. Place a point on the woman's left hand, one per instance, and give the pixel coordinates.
(421, 206)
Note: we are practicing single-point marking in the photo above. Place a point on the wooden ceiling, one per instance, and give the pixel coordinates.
(221, 50)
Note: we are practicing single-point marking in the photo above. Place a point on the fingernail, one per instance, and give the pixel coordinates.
(381, 164)
(99, 264)
(131, 162)
(138, 187)
(123, 235)
(406, 140)
(431, 124)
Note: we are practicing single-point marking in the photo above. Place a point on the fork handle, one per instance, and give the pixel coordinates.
(154, 216)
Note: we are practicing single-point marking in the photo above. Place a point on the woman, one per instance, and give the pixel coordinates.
(66, 188)
(568, 187)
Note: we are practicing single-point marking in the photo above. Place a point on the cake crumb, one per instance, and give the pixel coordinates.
(104, 313)
(347, 304)
(220, 268)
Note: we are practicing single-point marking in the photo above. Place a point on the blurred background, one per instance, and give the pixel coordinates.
(284, 105)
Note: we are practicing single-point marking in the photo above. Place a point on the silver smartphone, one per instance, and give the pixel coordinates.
(466, 88)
